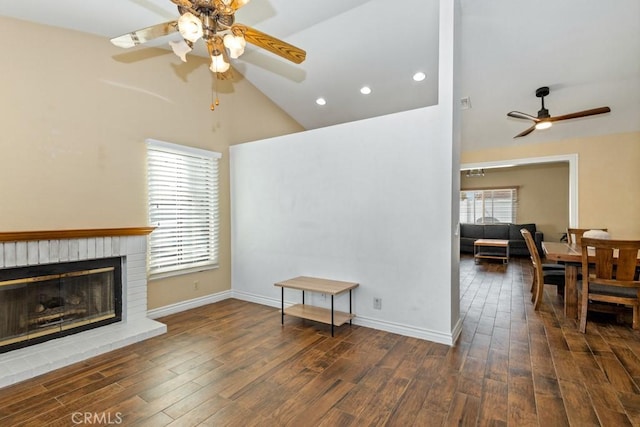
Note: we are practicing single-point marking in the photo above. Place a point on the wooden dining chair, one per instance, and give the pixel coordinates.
(612, 278)
(541, 276)
(574, 235)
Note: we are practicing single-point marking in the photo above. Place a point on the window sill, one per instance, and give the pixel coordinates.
(182, 271)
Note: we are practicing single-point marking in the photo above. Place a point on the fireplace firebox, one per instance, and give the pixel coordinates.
(47, 301)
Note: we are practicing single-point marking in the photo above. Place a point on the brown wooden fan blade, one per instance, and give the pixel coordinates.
(237, 4)
(146, 34)
(519, 115)
(272, 44)
(526, 132)
(579, 114)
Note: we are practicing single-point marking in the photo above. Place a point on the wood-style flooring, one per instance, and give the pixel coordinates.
(231, 363)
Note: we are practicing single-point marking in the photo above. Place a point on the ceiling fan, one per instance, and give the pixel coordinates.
(213, 21)
(544, 120)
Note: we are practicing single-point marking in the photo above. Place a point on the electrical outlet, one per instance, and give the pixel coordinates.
(196, 285)
(377, 303)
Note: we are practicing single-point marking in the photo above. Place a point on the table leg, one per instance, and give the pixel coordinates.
(282, 316)
(350, 311)
(331, 315)
(571, 291)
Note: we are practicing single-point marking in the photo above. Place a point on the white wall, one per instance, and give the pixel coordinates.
(369, 202)
(358, 202)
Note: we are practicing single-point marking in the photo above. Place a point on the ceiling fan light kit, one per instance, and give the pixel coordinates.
(544, 120)
(543, 125)
(213, 21)
(190, 27)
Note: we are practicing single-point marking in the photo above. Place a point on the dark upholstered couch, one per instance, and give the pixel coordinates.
(469, 233)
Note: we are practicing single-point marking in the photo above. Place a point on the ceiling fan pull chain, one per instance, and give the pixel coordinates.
(216, 102)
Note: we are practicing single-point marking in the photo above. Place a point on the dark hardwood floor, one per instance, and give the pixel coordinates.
(231, 363)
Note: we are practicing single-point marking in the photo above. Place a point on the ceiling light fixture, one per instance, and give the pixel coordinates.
(214, 25)
(543, 125)
(365, 90)
(235, 42)
(474, 173)
(190, 27)
(213, 22)
(419, 76)
(321, 101)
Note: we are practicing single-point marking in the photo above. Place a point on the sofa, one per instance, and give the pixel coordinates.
(469, 233)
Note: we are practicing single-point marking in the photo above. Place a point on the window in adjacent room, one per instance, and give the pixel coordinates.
(182, 185)
(488, 206)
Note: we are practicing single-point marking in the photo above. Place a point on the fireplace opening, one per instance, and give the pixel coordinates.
(47, 301)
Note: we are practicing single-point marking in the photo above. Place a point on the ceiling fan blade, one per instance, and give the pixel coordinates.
(519, 115)
(237, 4)
(272, 44)
(584, 113)
(526, 132)
(144, 35)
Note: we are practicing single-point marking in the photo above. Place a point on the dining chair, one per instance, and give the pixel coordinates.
(574, 235)
(612, 278)
(541, 276)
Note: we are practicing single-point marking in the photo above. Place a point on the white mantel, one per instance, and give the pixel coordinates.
(34, 248)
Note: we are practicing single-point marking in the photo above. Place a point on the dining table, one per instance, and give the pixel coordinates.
(569, 254)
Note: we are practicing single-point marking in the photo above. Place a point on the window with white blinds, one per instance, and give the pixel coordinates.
(488, 206)
(182, 184)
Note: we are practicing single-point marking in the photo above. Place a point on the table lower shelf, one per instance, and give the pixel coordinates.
(318, 314)
(496, 255)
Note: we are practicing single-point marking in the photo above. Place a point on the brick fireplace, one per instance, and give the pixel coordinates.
(32, 250)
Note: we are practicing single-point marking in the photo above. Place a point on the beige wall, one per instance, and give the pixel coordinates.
(608, 177)
(75, 114)
(543, 194)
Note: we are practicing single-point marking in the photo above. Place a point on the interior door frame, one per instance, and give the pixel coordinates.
(571, 159)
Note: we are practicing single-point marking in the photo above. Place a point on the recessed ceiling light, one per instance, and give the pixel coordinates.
(419, 76)
(365, 90)
(321, 101)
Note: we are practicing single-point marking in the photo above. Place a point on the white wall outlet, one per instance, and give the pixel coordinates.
(377, 303)
(196, 285)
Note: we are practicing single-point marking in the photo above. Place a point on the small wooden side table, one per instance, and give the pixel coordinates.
(318, 314)
(491, 248)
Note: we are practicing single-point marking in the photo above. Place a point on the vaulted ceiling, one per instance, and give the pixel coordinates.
(586, 51)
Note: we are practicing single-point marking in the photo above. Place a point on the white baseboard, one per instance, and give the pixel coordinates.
(457, 330)
(188, 305)
(369, 322)
(259, 299)
(405, 330)
(383, 325)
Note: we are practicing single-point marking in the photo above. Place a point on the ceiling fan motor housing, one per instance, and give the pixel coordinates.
(541, 93)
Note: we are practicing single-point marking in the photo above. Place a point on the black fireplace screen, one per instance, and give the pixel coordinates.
(42, 302)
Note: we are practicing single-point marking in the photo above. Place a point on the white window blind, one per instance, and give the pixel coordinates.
(183, 206)
(488, 206)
